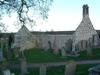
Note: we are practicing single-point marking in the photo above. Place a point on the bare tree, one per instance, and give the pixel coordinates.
(25, 9)
(3, 28)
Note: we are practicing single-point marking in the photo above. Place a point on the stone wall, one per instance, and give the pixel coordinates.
(24, 39)
(76, 41)
(85, 31)
(48, 40)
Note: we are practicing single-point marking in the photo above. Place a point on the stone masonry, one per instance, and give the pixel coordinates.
(85, 30)
(24, 39)
(77, 40)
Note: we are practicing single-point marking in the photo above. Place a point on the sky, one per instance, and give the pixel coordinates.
(66, 15)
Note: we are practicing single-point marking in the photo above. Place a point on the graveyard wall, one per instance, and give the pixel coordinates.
(48, 40)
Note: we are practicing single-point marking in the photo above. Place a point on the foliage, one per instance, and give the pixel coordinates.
(25, 9)
(3, 28)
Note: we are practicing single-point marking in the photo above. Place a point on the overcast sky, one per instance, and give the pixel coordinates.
(66, 15)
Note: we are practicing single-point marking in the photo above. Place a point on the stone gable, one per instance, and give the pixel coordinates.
(24, 39)
(85, 30)
(23, 31)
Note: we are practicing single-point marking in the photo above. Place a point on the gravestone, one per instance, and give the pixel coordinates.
(21, 55)
(70, 68)
(94, 70)
(4, 65)
(2, 43)
(79, 43)
(69, 45)
(73, 54)
(84, 44)
(12, 74)
(16, 51)
(7, 47)
(89, 51)
(1, 55)
(42, 69)
(56, 46)
(77, 47)
(89, 48)
(23, 66)
(6, 72)
(49, 44)
(63, 52)
(9, 53)
(45, 48)
(95, 40)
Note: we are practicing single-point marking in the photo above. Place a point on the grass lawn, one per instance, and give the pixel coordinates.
(80, 70)
(39, 55)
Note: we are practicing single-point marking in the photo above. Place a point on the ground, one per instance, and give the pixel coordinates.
(55, 63)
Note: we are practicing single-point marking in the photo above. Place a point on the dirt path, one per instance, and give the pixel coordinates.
(31, 65)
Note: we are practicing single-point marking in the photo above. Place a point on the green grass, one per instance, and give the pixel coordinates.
(32, 71)
(12, 60)
(59, 70)
(83, 69)
(95, 55)
(39, 55)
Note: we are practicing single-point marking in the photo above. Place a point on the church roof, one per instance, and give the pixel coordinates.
(53, 32)
(40, 33)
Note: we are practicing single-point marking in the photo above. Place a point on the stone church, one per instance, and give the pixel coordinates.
(77, 40)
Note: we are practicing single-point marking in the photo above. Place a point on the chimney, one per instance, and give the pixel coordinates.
(85, 10)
